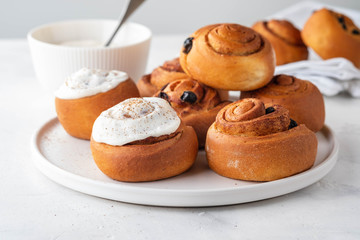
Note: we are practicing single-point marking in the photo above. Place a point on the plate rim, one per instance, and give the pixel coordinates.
(54, 173)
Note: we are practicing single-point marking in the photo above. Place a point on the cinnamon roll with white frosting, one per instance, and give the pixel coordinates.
(88, 92)
(142, 139)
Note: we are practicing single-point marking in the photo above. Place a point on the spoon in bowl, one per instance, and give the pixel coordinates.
(130, 8)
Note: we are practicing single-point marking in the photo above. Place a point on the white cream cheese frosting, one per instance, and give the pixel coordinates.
(135, 119)
(87, 82)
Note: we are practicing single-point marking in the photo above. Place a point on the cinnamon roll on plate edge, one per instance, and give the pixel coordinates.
(302, 98)
(195, 103)
(250, 142)
(142, 139)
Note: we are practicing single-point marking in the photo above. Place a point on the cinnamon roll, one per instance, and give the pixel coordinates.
(142, 139)
(88, 92)
(331, 34)
(195, 103)
(250, 142)
(228, 56)
(170, 71)
(285, 38)
(302, 98)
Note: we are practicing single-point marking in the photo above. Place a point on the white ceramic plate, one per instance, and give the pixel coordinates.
(68, 161)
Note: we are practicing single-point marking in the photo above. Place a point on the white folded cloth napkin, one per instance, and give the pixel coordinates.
(331, 76)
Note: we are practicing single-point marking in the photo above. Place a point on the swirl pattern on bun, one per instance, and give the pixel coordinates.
(285, 39)
(142, 139)
(250, 142)
(229, 57)
(195, 103)
(170, 71)
(302, 98)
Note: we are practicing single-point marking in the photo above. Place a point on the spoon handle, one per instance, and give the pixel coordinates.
(130, 8)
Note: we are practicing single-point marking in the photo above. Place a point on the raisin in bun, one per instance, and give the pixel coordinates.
(170, 71)
(302, 98)
(142, 139)
(249, 142)
(88, 92)
(195, 103)
(285, 39)
(229, 57)
(331, 34)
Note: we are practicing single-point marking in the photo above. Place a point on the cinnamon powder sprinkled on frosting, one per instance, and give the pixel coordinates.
(135, 119)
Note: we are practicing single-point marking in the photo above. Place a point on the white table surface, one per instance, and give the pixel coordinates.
(34, 207)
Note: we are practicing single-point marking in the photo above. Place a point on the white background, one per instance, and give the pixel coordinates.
(17, 17)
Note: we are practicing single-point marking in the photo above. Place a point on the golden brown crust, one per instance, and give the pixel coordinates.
(148, 162)
(77, 116)
(302, 98)
(331, 34)
(170, 71)
(285, 39)
(249, 151)
(195, 103)
(146, 89)
(229, 57)
(248, 118)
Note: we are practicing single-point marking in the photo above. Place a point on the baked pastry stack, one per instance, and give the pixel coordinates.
(331, 34)
(250, 142)
(142, 139)
(153, 138)
(285, 38)
(195, 103)
(88, 92)
(302, 98)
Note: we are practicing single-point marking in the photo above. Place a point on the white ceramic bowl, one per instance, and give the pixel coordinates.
(53, 62)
